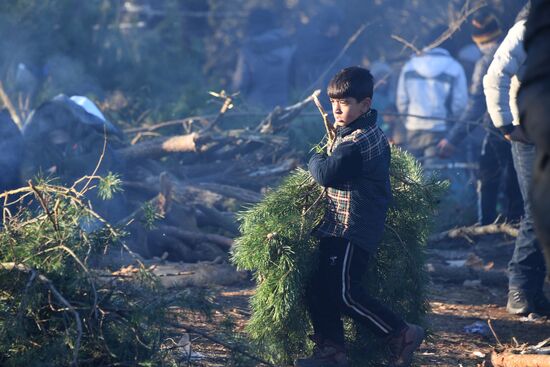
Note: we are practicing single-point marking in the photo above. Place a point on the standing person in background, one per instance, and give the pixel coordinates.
(432, 84)
(495, 161)
(534, 108)
(526, 269)
(386, 87)
(263, 67)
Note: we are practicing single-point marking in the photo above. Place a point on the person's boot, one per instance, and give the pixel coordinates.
(404, 344)
(325, 354)
(519, 303)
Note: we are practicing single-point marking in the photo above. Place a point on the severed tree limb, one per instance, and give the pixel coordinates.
(454, 25)
(227, 104)
(406, 43)
(212, 216)
(238, 193)
(160, 146)
(197, 237)
(507, 359)
(281, 167)
(496, 228)
(198, 193)
(164, 124)
(23, 268)
(457, 275)
(282, 116)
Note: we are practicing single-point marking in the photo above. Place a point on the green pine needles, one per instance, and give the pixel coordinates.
(55, 308)
(276, 246)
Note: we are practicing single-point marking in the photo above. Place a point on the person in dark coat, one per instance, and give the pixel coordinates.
(534, 107)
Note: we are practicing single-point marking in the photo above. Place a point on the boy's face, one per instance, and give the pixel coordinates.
(347, 110)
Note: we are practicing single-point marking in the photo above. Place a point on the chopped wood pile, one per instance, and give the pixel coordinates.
(182, 181)
(218, 172)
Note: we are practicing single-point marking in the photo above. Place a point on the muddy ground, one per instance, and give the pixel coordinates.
(453, 308)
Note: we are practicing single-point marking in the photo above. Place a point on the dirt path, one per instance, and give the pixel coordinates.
(454, 308)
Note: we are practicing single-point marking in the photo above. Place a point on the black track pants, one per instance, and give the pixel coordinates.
(337, 289)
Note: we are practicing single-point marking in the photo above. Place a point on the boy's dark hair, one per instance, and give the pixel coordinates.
(355, 82)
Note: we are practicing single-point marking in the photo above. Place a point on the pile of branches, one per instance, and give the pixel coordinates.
(58, 310)
(190, 175)
(277, 247)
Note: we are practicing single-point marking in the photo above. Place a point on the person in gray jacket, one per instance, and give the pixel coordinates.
(526, 270)
(431, 88)
(495, 160)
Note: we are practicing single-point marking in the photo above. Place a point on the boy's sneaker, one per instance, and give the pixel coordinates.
(325, 354)
(519, 303)
(403, 345)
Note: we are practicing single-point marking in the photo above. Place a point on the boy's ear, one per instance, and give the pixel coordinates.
(366, 104)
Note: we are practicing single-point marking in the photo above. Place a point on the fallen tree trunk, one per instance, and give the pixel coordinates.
(507, 359)
(214, 217)
(238, 193)
(161, 146)
(457, 275)
(280, 168)
(465, 232)
(197, 237)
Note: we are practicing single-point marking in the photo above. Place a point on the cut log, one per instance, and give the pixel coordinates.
(181, 193)
(213, 217)
(210, 170)
(238, 193)
(159, 242)
(457, 275)
(160, 125)
(197, 237)
(274, 169)
(507, 359)
(503, 228)
(161, 146)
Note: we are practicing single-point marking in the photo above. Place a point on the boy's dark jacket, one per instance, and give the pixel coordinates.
(356, 176)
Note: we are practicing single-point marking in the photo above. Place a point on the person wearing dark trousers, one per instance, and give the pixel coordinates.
(497, 174)
(526, 270)
(355, 174)
(495, 159)
(338, 286)
(534, 108)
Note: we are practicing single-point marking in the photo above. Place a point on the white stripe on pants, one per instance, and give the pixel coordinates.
(346, 295)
